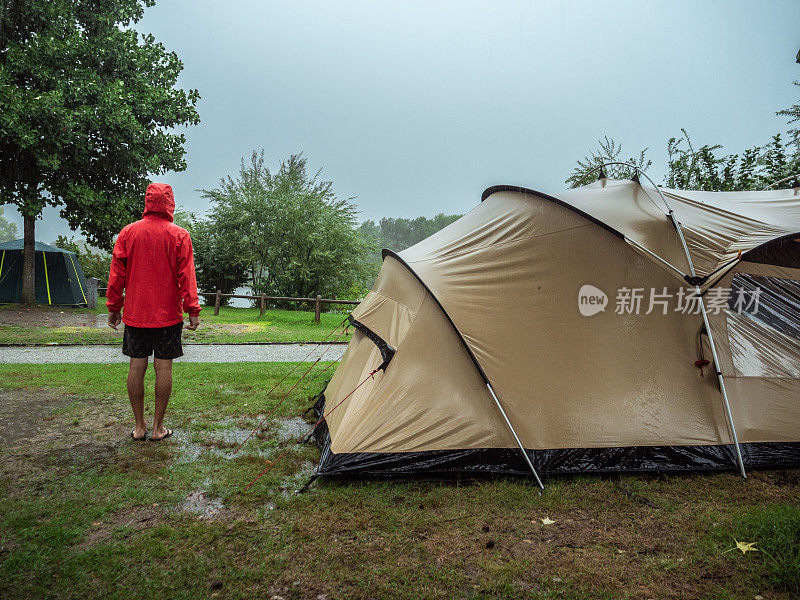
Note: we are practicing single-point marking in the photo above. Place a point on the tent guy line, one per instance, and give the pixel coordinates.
(310, 431)
(303, 376)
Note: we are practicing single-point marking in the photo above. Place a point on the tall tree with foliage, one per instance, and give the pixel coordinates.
(793, 112)
(587, 170)
(8, 230)
(295, 236)
(220, 262)
(703, 168)
(88, 108)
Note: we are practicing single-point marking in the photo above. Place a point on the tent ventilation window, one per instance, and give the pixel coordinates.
(387, 351)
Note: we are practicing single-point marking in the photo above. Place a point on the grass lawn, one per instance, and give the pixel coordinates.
(86, 512)
(47, 325)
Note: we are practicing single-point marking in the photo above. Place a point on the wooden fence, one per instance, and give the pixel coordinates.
(318, 301)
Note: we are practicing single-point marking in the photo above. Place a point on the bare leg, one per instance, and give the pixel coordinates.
(163, 390)
(136, 372)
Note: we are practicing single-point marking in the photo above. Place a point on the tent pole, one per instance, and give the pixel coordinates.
(795, 176)
(721, 384)
(469, 352)
(514, 433)
(46, 278)
(636, 244)
(728, 413)
(677, 225)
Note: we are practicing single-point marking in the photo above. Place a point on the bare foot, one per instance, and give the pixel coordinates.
(138, 434)
(159, 433)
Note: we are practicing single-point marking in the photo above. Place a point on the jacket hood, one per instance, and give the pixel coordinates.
(159, 200)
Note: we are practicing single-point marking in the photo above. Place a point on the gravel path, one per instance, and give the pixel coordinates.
(205, 353)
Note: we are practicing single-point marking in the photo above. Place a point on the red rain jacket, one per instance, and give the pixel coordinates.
(154, 264)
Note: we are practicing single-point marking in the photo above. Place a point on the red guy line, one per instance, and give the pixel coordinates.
(296, 384)
(307, 433)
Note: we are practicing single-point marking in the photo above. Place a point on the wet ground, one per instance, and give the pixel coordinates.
(54, 432)
(51, 318)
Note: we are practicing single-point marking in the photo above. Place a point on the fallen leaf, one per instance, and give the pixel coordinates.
(528, 541)
(547, 521)
(746, 547)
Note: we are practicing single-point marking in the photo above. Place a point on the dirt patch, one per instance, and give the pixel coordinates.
(67, 319)
(48, 430)
(37, 317)
(24, 415)
(222, 328)
(120, 525)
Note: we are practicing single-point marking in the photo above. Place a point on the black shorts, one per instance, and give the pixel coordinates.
(141, 342)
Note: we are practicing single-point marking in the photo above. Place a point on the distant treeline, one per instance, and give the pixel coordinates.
(399, 234)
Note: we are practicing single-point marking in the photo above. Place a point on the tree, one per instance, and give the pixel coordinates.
(793, 112)
(88, 108)
(8, 230)
(294, 236)
(183, 218)
(220, 264)
(398, 234)
(587, 171)
(704, 169)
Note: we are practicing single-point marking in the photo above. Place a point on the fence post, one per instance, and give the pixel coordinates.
(216, 303)
(263, 304)
(317, 308)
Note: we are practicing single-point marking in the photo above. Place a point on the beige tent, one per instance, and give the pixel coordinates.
(501, 355)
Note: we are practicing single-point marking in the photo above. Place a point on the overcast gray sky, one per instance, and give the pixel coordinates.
(414, 108)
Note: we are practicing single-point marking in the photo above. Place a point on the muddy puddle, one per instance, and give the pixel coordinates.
(201, 504)
(232, 433)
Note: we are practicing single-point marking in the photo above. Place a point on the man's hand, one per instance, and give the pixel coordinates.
(114, 319)
(193, 323)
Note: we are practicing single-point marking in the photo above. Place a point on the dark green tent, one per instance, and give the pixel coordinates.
(59, 277)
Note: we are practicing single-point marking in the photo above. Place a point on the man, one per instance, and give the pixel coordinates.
(153, 263)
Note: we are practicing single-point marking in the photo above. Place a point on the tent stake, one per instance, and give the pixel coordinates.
(514, 433)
